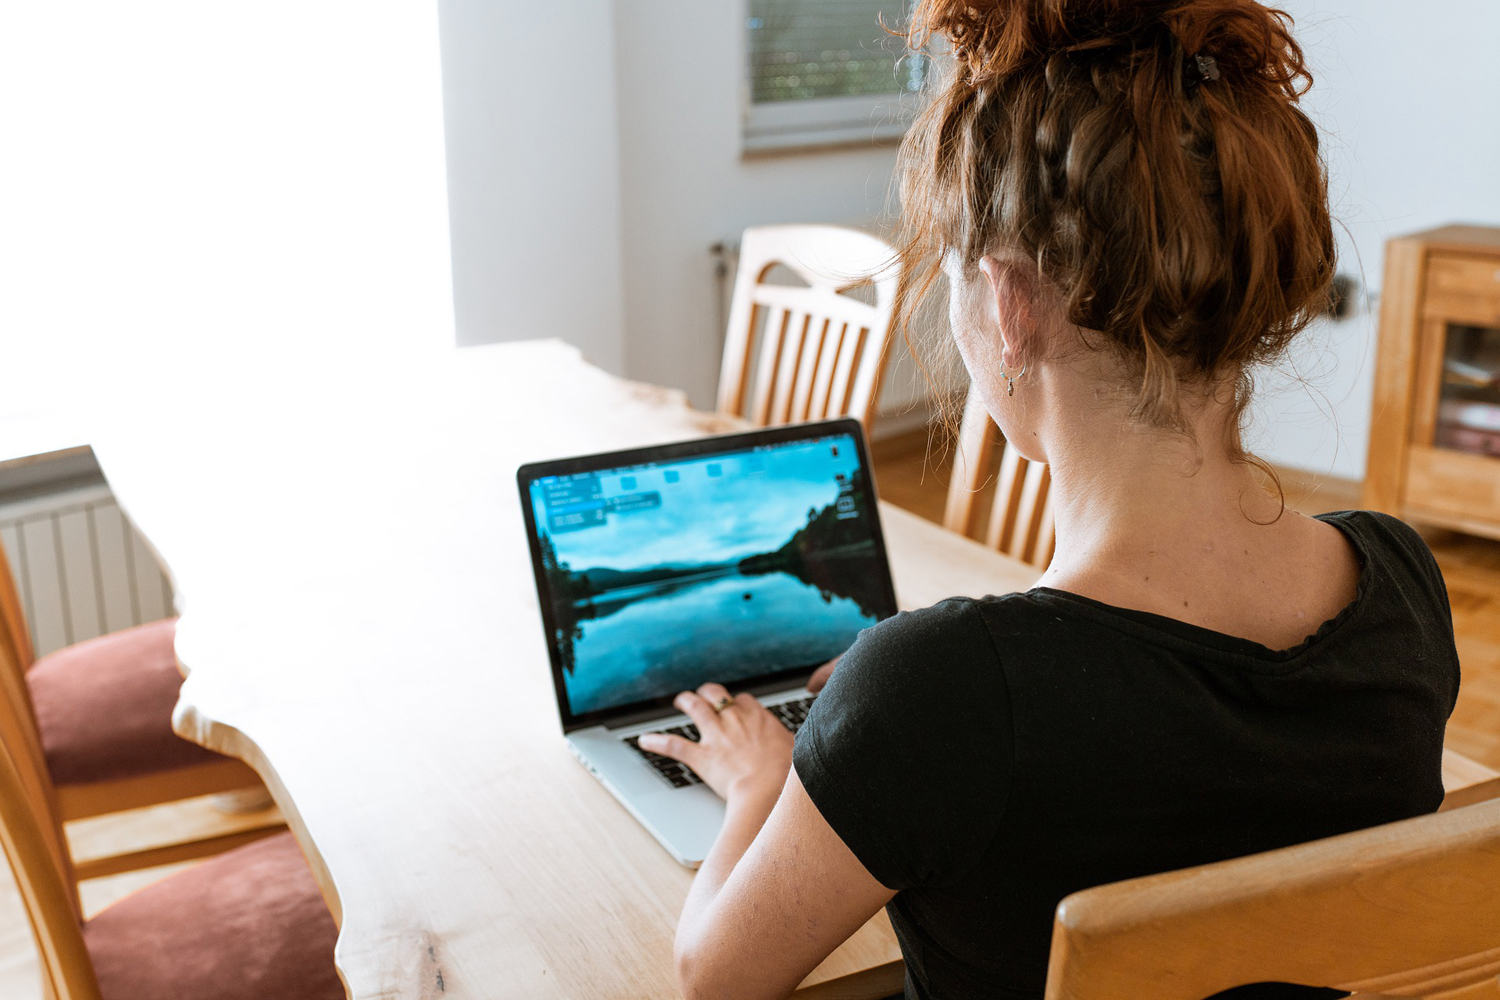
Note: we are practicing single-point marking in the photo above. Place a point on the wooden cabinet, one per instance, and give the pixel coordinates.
(1435, 428)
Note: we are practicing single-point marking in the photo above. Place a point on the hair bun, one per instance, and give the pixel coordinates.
(994, 38)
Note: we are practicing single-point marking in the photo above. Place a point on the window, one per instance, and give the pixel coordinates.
(826, 72)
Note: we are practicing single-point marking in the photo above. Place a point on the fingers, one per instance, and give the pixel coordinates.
(749, 710)
(670, 746)
(695, 707)
(820, 676)
(741, 708)
(714, 694)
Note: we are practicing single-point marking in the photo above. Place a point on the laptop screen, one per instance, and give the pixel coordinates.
(730, 559)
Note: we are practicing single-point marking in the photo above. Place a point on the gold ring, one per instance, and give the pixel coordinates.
(723, 703)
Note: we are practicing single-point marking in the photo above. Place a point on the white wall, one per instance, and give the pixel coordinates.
(685, 186)
(593, 160)
(1408, 97)
(587, 188)
(534, 173)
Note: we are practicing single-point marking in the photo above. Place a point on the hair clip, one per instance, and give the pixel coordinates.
(1207, 70)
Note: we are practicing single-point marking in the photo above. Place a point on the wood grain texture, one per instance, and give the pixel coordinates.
(1463, 288)
(1390, 414)
(402, 715)
(1453, 489)
(1466, 792)
(1471, 569)
(1433, 280)
(1407, 909)
(32, 836)
(120, 795)
(1461, 238)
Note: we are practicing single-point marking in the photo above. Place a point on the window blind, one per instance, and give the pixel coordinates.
(826, 71)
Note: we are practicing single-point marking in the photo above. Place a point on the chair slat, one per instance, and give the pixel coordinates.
(1001, 533)
(807, 369)
(793, 339)
(18, 734)
(18, 725)
(1030, 511)
(972, 455)
(773, 341)
(1020, 522)
(843, 364)
(738, 352)
(30, 834)
(821, 352)
(841, 390)
(15, 638)
(865, 389)
(821, 389)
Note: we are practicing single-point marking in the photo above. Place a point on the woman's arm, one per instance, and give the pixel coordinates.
(779, 891)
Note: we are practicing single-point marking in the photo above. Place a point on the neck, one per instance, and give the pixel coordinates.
(1129, 499)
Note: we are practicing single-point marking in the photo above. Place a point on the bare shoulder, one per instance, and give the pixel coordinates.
(1328, 558)
(1272, 583)
(1294, 575)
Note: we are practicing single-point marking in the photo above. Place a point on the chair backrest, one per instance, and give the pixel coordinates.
(1409, 909)
(1020, 518)
(18, 724)
(15, 638)
(33, 840)
(807, 353)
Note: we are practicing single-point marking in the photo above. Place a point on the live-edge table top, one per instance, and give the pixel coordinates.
(359, 623)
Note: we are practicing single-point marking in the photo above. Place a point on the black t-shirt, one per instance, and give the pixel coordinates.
(985, 758)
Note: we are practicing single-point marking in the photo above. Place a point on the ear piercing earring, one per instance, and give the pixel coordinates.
(1010, 380)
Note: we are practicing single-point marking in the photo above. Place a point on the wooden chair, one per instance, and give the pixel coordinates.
(807, 353)
(1409, 909)
(1020, 519)
(249, 923)
(106, 726)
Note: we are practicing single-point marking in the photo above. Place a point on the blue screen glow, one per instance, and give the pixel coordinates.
(721, 567)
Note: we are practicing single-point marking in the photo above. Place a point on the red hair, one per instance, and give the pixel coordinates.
(1183, 220)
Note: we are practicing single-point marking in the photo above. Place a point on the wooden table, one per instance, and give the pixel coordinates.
(360, 625)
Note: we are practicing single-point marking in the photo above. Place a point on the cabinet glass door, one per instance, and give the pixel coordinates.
(1468, 417)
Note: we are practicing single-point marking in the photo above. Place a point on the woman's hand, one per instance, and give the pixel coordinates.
(743, 752)
(820, 676)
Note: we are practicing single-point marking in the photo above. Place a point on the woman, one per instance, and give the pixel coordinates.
(1131, 213)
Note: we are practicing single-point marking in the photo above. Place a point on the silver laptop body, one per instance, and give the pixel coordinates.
(747, 559)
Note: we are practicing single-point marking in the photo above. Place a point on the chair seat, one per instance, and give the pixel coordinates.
(249, 924)
(104, 707)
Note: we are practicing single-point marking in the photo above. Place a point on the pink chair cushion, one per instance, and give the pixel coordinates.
(104, 707)
(249, 924)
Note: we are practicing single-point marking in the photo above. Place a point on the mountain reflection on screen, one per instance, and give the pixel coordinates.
(720, 567)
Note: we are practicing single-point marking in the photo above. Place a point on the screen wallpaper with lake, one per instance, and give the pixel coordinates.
(719, 567)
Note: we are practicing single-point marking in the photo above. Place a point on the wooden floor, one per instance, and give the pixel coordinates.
(914, 476)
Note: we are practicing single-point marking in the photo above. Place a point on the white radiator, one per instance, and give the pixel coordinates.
(80, 566)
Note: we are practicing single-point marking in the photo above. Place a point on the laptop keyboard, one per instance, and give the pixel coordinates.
(791, 714)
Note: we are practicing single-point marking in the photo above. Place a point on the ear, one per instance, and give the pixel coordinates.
(1014, 293)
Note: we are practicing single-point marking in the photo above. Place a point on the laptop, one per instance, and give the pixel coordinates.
(747, 559)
